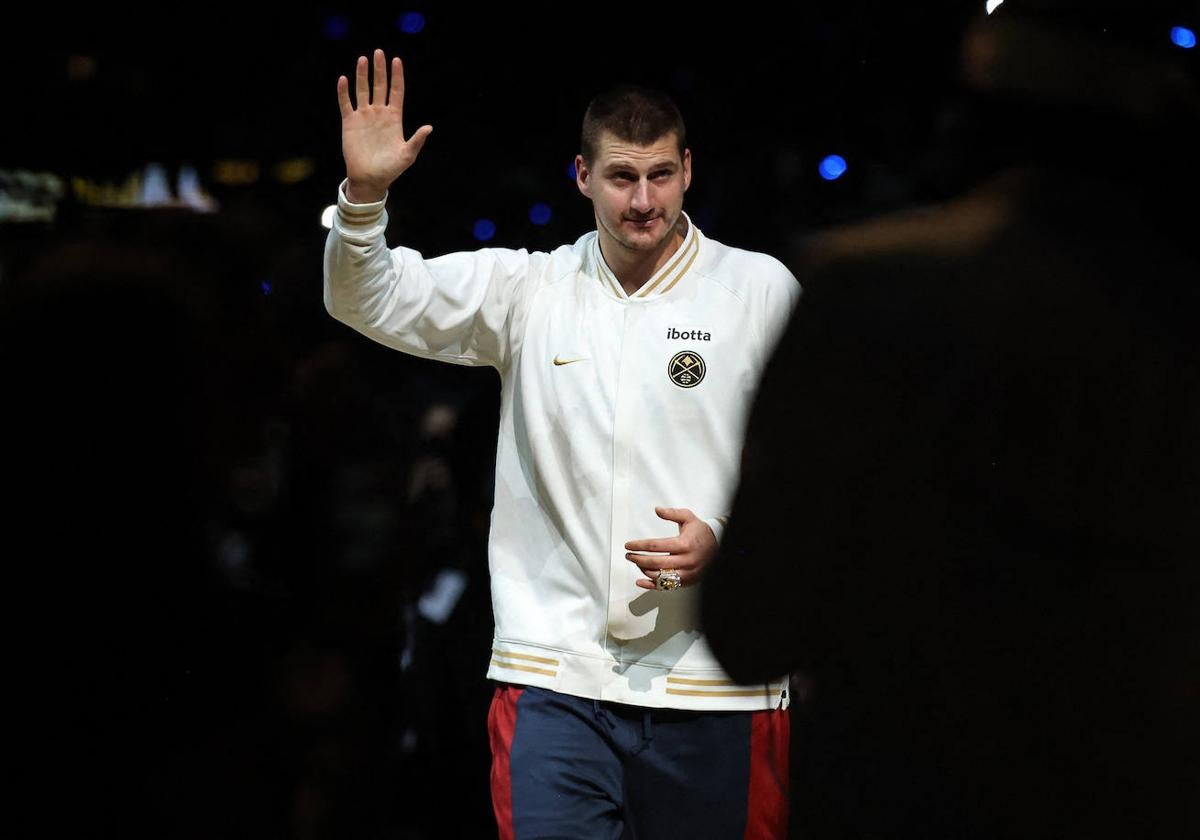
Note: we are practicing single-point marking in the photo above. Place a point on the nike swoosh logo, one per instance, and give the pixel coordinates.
(558, 361)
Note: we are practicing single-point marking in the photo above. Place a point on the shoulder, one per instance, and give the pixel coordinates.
(569, 259)
(744, 273)
(544, 266)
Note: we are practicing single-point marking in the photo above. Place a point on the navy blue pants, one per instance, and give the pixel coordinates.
(567, 767)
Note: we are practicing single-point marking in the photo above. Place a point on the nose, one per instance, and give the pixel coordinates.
(641, 202)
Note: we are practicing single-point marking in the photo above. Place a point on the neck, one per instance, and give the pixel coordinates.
(634, 268)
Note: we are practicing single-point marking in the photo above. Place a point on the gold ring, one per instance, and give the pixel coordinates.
(668, 579)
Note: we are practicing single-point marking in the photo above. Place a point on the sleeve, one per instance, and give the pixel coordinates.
(780, 299)
(466, 308)
(781, 294)
(718, 525)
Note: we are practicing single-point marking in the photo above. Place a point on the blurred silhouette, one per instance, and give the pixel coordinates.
(970, 503)
(115, 442)
(208, 571)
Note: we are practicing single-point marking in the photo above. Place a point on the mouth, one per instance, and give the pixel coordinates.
(642, 224)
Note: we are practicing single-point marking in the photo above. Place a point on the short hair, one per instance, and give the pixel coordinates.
(634, 114)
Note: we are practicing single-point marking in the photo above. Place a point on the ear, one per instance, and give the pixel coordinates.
(582, 176)
(687, 169)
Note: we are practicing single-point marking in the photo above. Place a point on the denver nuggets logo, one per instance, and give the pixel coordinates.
(686, 369)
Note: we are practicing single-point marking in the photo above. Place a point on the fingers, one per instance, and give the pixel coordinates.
(343, 93)
(662, 544)
(651, 580)
(396, 94)
(376, 91)
(418, 138)
(361, 95)
(680, 515)
(648, 563)
(379, 89)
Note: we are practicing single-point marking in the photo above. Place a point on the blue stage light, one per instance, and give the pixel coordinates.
(336, 27)
(410, 23)
(832, 167)
(484, 230)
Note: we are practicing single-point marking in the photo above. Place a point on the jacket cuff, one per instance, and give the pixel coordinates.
(358, 218)
(718, 524)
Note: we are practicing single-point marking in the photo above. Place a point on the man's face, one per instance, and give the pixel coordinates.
(637, 191)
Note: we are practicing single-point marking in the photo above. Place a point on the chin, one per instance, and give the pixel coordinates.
(644, 244)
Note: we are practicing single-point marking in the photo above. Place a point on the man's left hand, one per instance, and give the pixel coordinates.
(687, 553)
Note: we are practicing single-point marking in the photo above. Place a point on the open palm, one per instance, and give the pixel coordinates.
(373, 143)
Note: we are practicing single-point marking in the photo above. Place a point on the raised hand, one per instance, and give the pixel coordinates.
(373, 143)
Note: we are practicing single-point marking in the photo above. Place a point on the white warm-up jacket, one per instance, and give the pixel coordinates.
(611, 404)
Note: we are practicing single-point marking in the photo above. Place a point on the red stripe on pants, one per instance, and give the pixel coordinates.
(502, 722)
(767, 809)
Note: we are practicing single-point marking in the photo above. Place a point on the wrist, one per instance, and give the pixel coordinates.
(358, 192)
(717, 526)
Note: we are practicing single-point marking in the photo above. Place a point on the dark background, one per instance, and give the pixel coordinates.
(226, 506)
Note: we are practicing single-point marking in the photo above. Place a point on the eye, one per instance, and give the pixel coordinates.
(661, 174)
